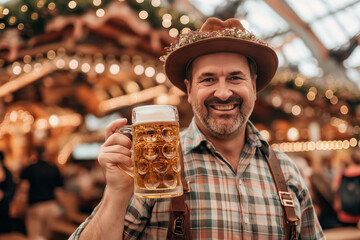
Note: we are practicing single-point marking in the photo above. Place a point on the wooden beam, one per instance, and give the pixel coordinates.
(26, 78)
(301, 28)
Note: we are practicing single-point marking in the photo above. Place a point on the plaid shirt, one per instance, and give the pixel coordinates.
(225, 204)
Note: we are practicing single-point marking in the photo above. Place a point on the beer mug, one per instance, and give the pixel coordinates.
(155, 145)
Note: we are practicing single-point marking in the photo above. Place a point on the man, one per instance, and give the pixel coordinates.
(232, 193)
(45, 182)
(7, 191)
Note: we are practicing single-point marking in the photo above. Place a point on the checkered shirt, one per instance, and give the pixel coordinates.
(226, 204)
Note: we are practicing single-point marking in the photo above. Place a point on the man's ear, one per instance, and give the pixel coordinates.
(188, 89)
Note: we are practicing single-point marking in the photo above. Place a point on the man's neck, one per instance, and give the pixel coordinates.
(230, 146)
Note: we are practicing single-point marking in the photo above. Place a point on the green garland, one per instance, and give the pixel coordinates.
(21, 14)
(33, 15)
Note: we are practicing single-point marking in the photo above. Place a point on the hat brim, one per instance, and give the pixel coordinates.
(265, 58)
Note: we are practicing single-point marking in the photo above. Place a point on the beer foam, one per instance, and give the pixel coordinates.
(155, 113)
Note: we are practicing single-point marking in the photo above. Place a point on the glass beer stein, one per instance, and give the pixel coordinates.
(155, 145)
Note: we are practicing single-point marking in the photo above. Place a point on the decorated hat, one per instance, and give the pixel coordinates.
(215, 36)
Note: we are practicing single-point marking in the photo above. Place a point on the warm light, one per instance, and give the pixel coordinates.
(139, 69)
(85, 67)
(37, 67)
(54, 120)
(185, 30)
(99, 68)
(155, 3)
(114, 69)
(41, 123)
(139, 1)
(17, 70)
(97, 2)
(60, 63)
(12, 20)
(20, 26)
(5, 11)
(329, 94)
(27, 68)
(73, 64)
(353, 142)
(173, 32)
(167, 16)
(51, 54)
(143, 14)
(311, 96)
(166, 23)
(296, 110)
(34, 16)
(276, 100)
(265, 134)
(160, 78)
(313, 89)
(51, 6)
(184, 19)
(100, 12)
(24, 8)
(293, 134)
(342, 127)
(334, 100)
(344, 110)
(40, 3)
(149, 72)
(72, 4)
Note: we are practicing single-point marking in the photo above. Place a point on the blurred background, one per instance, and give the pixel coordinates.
(70, 67)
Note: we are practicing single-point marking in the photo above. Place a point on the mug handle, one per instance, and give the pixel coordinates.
(127, 131)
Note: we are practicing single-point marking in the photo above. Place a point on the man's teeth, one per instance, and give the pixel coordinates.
(224, 107)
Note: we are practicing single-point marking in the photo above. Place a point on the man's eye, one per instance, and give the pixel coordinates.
(235, 78)
(207, 80)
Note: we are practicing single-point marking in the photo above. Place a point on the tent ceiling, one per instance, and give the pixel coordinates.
(315, 37)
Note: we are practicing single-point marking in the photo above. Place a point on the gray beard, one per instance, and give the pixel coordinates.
(216, 127)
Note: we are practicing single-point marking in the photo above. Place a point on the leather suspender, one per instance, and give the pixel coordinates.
(179, 220)
(290, 218)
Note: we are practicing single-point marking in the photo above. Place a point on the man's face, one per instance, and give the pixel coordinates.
(222, 93)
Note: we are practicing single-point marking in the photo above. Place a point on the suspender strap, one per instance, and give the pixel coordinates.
(179, 219)
(290, 218)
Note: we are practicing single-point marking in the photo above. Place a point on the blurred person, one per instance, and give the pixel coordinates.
(232, 191)
(7, 191)
(44, 179)
(347, 187)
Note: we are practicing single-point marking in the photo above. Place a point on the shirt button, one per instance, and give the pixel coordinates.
(208, 145)
(240, 181)
(246, 219)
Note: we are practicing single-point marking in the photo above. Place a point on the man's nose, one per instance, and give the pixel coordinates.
(222, 90)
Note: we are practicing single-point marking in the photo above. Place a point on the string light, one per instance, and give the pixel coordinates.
(319, 145)
(100, 12)
(143, 14)
(72, 4)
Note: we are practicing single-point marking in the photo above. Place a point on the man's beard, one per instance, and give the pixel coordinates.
(223, 125)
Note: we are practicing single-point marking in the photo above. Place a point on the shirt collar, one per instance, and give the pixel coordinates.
(193, 137)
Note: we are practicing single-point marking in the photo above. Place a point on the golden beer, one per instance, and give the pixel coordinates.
(155, 143)
(156, 159)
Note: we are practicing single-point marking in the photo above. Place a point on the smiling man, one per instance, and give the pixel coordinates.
(231, 171)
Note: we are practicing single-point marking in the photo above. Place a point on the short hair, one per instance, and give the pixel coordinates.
(251, 63)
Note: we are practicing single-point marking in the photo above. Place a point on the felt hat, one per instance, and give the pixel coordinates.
(215, 36)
